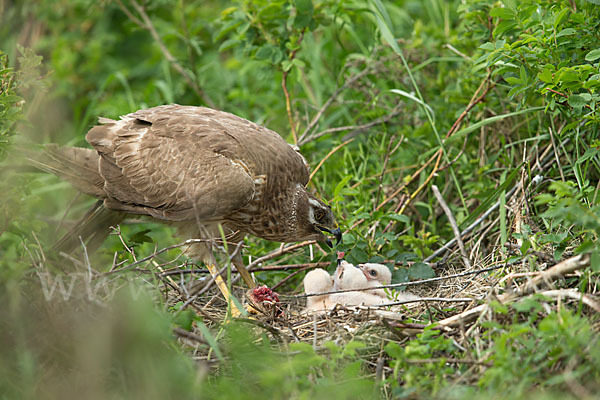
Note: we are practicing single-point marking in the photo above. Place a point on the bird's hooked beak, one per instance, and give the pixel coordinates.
(364, 271)
(339, 271)
(335, 232)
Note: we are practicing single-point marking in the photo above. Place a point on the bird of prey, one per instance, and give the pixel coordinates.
(198, 169)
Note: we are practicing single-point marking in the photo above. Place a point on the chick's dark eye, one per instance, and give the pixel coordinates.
(373, 272)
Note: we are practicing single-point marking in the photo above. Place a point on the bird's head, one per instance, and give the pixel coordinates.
(347, 276)
(378, 273)
(315, 220)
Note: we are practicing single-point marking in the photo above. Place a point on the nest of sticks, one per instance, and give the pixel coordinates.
(455, 302)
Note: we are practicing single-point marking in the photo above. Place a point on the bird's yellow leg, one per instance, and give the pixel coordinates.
(241, 268)
(214, 271)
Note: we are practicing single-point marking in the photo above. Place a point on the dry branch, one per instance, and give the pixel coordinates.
(564, 267)
(453, 224)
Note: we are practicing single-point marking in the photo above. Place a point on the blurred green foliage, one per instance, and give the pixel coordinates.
(402, 73)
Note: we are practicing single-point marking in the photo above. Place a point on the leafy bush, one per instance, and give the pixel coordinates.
(496, 103)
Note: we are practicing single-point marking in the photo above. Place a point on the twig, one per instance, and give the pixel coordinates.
(562, 268)
(146, 23)
(574, 294)
(567, 266)
(336, 148)
(276, 253)
(190, 336)
(313, 123)
(388, 154)
(356, 128)
(200, 292)
(262, 269)
(446, 360)
(288, 103)
(456, 51)
(453, 224)
(287, 278)
(156, 253)
(428, 299)
(562, 175)
(468, 229)
(292, 266)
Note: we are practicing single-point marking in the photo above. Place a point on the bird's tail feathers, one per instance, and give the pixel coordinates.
(92, 229)
(76, 165)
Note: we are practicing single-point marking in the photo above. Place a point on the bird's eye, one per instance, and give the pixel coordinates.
(373, 272)
(319, 214)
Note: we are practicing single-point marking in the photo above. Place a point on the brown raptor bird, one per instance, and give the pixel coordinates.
(195, 168)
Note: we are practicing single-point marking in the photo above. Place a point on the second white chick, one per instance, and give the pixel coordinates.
(376, 275)
(347, 276)
(379, 275)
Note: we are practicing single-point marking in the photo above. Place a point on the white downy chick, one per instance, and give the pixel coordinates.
(317, 281)
(347, 276)
(376, 275)
(379, 275)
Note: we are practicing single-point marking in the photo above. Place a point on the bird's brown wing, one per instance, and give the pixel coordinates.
(172, 163)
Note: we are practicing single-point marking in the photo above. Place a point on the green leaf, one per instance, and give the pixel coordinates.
(420, 271)
(568, 75)
(502, 12)
(558, 18)
(399, 217)
(212, 341)
(490, 199)
(546, 76)
(527, 304)
(228, 44)
(566, 32)
(488, 46)
(492, 120)
(576, 101)
(413, 98)
(384, 25)
(553, 238)
(185, 319)
(593, 55)
(523, 74)
(504, 26)
(400, 275)
(141, 237)
(341, 184)
(585, 247)
(304, 13)
(264, 52)
(357, 256)
(502, 209)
